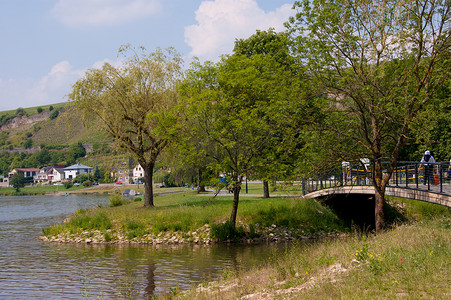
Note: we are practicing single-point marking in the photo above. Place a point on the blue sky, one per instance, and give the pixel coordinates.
(46, 45)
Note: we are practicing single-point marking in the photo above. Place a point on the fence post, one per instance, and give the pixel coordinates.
(303, 187)
(416, 174)
(407, 176)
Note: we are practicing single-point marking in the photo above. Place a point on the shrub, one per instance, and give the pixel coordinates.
(54, 114)
(39, 109)
(107, 237)
(226, 231)
(87, 183)
(116, 200)
(28, 143)
(68, 184)
(51, 108)
(20, 112)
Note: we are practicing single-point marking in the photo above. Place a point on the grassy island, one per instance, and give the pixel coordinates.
(188, 217)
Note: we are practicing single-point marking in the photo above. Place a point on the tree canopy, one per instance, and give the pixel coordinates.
(134, 102)
(239, 106)
(376, 64)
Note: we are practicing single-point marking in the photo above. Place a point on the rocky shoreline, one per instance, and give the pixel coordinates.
(201, 236)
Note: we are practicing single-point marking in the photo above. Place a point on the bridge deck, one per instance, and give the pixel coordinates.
(422, 193)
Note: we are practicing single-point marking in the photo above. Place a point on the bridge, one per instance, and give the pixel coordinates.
(406, 182)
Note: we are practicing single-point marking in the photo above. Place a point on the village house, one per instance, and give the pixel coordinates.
(49, 174)
(72, 171)
(56, 173)
(138, 173)
(124, 172)
(26, 172)
(42, 176)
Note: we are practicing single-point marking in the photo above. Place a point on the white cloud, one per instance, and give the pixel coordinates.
(49, 89)
(220, 22)
(85, 13)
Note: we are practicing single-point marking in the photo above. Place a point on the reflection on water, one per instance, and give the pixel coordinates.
(30, 268)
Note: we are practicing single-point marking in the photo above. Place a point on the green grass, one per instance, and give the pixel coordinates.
(37, 190)
(410, 261)
(287, 188)
(184, 212)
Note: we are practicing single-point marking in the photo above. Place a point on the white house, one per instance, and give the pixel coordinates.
(27, 172)
(41, 176)
(138, 172)
(72, 171)
(56, 173)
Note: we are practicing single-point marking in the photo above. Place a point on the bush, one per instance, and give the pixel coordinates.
(87, 183)
(67, 184)
(20, 112)
(54, 114)
(39, 109)
(28, 144)
(116, 200)
(226, 231)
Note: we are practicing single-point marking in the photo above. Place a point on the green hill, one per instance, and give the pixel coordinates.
(26, 132)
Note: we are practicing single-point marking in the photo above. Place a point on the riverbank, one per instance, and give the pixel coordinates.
(409, 261)
(191, 218)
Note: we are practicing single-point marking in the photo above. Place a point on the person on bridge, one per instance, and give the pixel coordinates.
(427, 162)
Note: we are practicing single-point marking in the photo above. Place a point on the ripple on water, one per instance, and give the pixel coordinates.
(30, 268)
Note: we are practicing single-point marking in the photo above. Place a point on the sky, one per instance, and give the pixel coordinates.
(47, 45)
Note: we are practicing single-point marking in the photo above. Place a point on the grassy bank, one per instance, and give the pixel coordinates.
(410, 261)
(189, 217)
(37, 190)
(99, 189)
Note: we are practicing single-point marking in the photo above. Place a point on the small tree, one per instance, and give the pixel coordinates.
(17, 181)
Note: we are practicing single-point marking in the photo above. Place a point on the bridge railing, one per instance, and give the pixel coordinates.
(407, 174)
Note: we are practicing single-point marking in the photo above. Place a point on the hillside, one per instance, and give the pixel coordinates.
(56, 128)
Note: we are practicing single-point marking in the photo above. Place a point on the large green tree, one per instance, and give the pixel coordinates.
(236, 106)
(376, 63)
(134, 102)
(289, 93)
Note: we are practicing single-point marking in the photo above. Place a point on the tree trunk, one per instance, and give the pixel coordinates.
(201, 188)
(236, 198)
(148, 185)
(379, 210)
(379, 190)
(265, 189)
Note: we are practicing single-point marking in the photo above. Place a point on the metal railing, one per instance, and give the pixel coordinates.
(407, 174)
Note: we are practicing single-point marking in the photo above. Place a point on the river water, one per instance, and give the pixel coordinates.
(30, 268)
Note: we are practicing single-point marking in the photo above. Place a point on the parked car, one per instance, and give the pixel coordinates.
(118, 182)
(77, 183)
(58, 184)
(95, 183)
